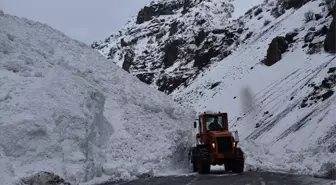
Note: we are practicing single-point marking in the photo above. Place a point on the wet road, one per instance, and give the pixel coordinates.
(246, 178)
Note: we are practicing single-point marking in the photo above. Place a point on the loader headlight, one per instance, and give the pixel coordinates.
(213, 145)
(234, 144)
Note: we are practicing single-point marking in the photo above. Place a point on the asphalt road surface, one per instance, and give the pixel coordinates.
(218, 178)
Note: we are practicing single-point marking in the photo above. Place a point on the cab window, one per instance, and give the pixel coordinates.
(215, 123)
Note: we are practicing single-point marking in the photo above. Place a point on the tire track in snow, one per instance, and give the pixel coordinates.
(258, 132)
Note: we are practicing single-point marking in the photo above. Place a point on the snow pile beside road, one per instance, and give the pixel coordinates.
(315, 161)
(6, 172)
(66, 109)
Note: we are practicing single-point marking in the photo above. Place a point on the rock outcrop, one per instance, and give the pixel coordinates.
(44, 178)
(330, 40)
(277, 47)
(156, 9)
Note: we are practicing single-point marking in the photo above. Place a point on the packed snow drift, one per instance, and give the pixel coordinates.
(66, 109)
(285, 113)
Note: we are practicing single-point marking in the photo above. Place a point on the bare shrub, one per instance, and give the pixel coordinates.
(309, 16)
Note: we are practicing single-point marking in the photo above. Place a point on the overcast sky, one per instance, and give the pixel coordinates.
(241, 6)
(84, 20)
(89, 20)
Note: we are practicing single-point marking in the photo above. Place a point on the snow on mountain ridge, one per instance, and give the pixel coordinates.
(66, 109)
(169, 42)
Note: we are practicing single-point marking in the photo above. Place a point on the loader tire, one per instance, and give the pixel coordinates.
(203, 154)
(194, 164)
(203, 160)
(193, 158)
(204, 168)
(238, 164)
(238, 167)
(227, 167)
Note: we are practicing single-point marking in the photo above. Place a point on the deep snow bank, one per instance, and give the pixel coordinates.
(315, 161)
(66, 109)
(286, 115)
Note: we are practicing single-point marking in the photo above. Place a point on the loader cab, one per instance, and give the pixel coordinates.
(206, 122)
(215, 123)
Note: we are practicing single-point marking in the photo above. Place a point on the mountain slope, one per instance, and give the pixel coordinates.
(66, 109)
(268, 69)
(285, 112)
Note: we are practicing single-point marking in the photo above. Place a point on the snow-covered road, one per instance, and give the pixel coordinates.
(218, 177)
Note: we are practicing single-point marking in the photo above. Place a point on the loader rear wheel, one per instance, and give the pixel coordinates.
(203, 164)
(204, 168)
(193, 158)
(238, 164)
(195, 164)
(227, 167)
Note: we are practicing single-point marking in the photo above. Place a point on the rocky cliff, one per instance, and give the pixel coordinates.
(168, 43)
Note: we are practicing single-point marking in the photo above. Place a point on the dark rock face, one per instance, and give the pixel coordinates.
(128, 60)
(277, 47)
(165, 8)
(146, 77)
(321, 92)
(200, 37)
(203, 59)
(173, 28)
(331, 70)
(258, 11)
(148, 12)
(318, 17)
(309, 37)
(330, 40)
(277, 11)
(289, 37)
(112, 52)
(145, 14)
(323, 31)
(312, 41)
(171, 53)
(294, 3)
(168, 84)
(314, 48)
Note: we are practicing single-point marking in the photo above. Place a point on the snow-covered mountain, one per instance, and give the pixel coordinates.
(268, 69)
(169, 42)
(66, 109)
(278, 88)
